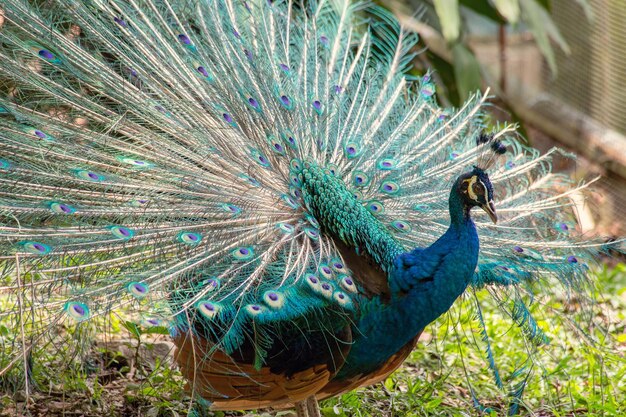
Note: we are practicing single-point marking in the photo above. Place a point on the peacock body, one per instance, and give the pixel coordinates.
(265, 180)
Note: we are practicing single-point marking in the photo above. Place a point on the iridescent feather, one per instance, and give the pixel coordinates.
(153, 157)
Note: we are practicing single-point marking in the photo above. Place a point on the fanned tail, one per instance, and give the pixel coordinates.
(149, 164)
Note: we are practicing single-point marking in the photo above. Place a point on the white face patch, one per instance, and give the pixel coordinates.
(484, 189)
(470, 187)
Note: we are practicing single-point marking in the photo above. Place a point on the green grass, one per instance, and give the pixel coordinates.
(567, 377)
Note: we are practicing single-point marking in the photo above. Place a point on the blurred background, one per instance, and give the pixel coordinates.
(556, 67)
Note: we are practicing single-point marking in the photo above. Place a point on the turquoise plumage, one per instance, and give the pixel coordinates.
(265, 180)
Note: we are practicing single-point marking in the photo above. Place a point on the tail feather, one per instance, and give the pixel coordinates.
(150, 159)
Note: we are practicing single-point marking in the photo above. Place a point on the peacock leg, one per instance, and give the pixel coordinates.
(301, 409)
(313, 407)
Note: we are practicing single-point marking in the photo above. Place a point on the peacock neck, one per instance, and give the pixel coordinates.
(459, 212)
(427, 281)
(424, 284)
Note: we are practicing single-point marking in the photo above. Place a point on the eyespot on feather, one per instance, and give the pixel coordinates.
(252, 181)
(231, 209)
(325, 271)
(243, 253)
(274, 299)
(259, 158)
(343, 299)
(208, 308)
(312, 220)
(401, 226)
(338, 266)
(347, 283)
(313, 282)
(134, 162)
(318, 107)
(138, 202)
(327, 290)
(189, 238)
(375, 207)
(289, 138)
(360, 179)
(36, 248)
(60, 208)
(387, 164)
(276, 145)
(210, 284)
(285, 228)
(39, 134)
(254, 309)
(352, 150)
(527, 253)
(121, 232)
(312, 233)
(77, 311)
(89, 175)
(138, 289)
(390, 187)
(289, 200)
(296, 165)
(150, 321)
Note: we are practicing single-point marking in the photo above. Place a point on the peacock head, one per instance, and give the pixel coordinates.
(476, 190)
(474, 187)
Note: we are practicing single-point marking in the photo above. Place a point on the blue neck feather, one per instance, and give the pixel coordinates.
(424, 284)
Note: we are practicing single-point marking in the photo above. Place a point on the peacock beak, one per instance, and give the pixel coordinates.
(490, 208)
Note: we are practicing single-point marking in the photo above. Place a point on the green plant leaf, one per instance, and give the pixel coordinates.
(132, 328)
(466, 71)
(483, 8)
(149, 392)
(543, 28)
(449, 17)
(509, 9)
(157, 330)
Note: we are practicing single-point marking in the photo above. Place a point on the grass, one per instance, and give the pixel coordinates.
(567, 378)
(564, 378)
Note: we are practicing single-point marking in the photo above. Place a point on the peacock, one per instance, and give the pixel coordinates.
(268, 181)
